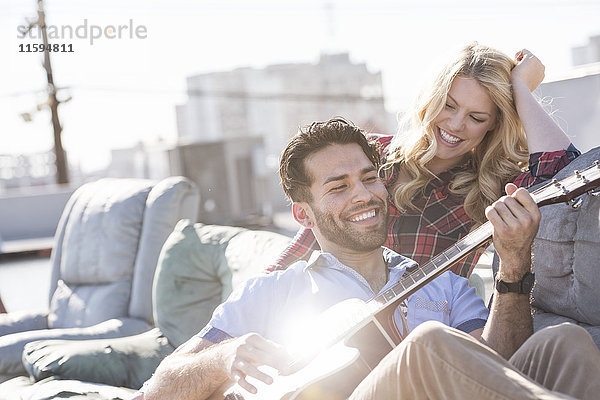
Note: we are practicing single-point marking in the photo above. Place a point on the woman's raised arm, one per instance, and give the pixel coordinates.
(543, 134)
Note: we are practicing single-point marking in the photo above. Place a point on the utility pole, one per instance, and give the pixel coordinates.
(62, 173)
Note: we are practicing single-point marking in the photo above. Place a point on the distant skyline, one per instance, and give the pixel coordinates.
(124, 90)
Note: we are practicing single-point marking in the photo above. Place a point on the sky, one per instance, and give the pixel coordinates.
(123, 90)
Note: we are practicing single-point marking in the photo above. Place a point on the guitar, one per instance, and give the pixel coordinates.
(332, 374)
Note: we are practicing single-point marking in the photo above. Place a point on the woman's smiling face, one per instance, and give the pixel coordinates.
(469, 113)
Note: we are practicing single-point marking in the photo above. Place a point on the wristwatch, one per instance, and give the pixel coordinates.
(523, 286)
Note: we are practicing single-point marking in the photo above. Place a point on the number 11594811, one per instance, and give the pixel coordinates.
(39, 47)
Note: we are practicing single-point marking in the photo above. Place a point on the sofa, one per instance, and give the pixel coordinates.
(566, 258)
(104, 256)
(197, 269)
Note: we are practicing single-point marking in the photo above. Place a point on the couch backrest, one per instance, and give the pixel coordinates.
(169, 201)
(108, 239)
(567, 255)
(199, 266)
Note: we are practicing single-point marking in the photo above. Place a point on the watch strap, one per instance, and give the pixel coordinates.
(524, 286)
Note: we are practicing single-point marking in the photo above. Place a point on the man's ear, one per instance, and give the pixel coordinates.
(302, 214)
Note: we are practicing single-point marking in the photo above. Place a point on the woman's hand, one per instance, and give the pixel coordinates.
(529, 70)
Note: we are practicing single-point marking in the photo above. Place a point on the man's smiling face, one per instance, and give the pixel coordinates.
(349, 200)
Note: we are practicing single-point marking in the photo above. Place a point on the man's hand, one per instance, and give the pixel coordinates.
(515, 218)
(529, 70)
(246, 353)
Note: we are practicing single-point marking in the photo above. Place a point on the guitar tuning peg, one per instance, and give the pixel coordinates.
(575, 203)
(595, 192)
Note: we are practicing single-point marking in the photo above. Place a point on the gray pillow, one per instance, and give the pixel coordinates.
(187, 283)
(198, 268)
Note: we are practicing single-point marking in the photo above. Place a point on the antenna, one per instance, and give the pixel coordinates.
(330, 26)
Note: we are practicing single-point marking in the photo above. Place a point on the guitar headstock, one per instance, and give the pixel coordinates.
(568, 189)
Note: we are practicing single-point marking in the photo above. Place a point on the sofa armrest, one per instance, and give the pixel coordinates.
(126, 362)
(23, 388)
(21, 321)
(11, 346)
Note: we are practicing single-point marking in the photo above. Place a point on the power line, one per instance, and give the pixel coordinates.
(235, 94)
(31, 92)
(279, 96)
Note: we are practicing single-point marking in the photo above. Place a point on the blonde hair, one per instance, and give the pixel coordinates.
(499, 158)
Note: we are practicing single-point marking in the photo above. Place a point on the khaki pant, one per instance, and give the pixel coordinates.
(439, 362)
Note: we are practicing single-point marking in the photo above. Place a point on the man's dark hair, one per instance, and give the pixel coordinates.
(295, 180)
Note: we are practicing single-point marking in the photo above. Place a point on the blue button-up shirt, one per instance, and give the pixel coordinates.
(280, 305)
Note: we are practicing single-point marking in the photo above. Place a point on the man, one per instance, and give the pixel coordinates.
(329, 171)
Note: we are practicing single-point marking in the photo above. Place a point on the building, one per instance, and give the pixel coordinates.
(272, 102)
(232, 179)
(144, 161)
(587, 54)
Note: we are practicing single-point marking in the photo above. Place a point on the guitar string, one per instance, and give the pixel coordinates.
(473, 236)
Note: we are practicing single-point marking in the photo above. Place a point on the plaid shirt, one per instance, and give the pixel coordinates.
(420, 235)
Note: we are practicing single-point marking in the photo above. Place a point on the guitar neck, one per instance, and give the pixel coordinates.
(414, 280)
(567, 190)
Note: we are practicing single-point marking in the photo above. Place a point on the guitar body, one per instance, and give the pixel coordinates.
(353, 359)
(332, 375)
(342, 374)
(335, 371)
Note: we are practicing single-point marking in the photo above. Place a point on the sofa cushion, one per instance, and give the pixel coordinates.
(566, 267)
(127, 362)
(198, 267)
(567, 254)
(87, 305)
(21, 321)
(12, 345)
(106, 214)
(543, 319)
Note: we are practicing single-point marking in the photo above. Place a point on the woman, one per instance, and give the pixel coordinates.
(463, 144)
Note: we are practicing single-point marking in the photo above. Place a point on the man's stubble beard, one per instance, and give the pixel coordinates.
(344, 235)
